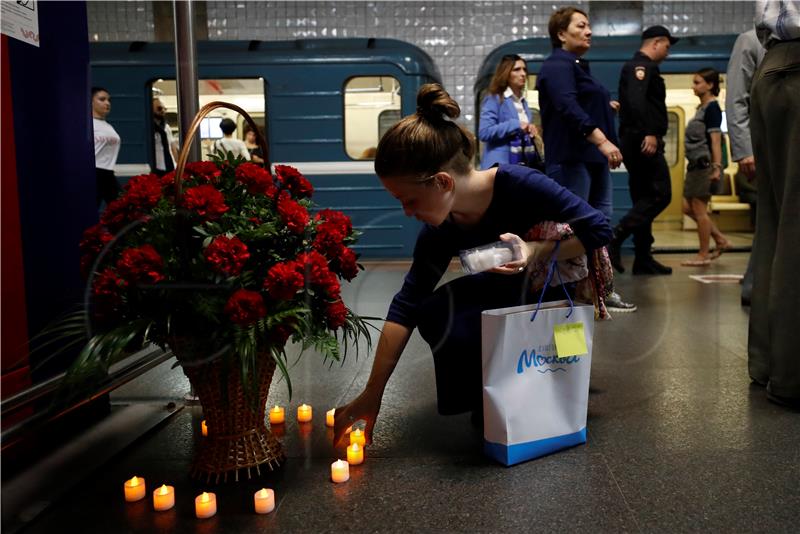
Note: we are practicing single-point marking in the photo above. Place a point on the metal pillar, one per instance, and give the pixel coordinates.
(186, 70)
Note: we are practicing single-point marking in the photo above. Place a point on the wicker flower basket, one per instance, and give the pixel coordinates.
(238, 438)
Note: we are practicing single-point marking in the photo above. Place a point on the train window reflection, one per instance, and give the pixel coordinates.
(247, 93)
(371, 107)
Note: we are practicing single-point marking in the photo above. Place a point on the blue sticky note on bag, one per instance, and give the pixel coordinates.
(570, 340)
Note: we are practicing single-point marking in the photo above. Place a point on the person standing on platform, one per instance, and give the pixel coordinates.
(165, 149)
(578, 120)
(773, 357)
(642, 126)
(106, 147)
(505, 116)
(746, 55)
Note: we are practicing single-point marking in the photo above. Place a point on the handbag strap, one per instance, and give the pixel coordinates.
(552, 268)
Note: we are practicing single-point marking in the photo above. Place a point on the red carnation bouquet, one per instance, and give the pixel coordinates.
(240, 261)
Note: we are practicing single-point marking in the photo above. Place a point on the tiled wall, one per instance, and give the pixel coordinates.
(458, 35)
(700, 18)
(120, 21)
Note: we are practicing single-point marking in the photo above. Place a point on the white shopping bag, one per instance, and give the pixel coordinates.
(534, 403)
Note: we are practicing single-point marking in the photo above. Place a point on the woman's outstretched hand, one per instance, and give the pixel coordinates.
(364, 407)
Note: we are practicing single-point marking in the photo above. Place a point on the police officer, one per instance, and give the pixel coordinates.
(643, 123)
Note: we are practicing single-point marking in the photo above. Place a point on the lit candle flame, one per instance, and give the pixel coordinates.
(276, 409)
(204, 497)
(355, 447)
(304, 406)
(262, 494)
(163, 490)
(134, 481)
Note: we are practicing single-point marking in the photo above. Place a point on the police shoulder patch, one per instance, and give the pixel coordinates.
(639, 72)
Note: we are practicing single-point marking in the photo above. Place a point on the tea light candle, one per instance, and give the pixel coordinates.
(355, 454)
(205, 505)
(357, 436)
(304, 413)
(204, 428)
(277, 415)
(164, 498)
(340, 471)
(264, 501)
(134, 489)
(329, 417)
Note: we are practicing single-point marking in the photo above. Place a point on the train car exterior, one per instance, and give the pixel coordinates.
(308, 88)
(606, 58)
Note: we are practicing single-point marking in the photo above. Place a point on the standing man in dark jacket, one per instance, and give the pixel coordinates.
(643, 123)
(165, 149)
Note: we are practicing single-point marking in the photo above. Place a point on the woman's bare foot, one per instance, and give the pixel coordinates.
(697, 261)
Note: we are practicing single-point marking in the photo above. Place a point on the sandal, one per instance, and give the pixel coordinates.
(717, 252)
(696, 263)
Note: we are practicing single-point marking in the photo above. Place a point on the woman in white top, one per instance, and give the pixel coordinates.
(228, 143)
(106, 147)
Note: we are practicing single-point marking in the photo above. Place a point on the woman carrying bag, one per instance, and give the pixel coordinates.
(505, 123)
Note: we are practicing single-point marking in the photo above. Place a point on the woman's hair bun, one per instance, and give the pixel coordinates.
(434, 103)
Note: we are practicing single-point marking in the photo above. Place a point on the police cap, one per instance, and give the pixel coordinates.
(658, 31)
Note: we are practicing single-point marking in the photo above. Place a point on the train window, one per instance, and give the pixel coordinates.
(371, 107)
(386, 120)
(247, 93)
(671, 140)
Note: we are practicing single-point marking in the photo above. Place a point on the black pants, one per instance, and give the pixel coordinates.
(773, 356)
(450, 322)
(107, 186)
(650, 188)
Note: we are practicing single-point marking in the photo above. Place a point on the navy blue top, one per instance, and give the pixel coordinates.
(572, 104)
(522, 198)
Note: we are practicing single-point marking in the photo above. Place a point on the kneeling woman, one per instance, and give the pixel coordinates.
(425, 161)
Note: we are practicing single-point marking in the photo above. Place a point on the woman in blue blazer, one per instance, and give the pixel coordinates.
(504, 111)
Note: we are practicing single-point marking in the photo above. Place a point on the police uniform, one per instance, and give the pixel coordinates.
(643, 112)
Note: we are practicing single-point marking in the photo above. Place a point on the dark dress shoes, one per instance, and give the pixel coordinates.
(649, 265)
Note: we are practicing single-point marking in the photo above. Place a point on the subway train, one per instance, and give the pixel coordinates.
(323, 105)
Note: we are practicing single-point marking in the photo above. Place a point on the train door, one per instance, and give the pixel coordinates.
(671, 217)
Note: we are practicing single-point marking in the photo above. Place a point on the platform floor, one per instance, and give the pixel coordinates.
(678, 440)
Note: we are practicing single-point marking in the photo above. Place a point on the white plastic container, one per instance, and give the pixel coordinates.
(483, 258)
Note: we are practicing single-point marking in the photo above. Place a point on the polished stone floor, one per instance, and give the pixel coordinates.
(678, 440)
